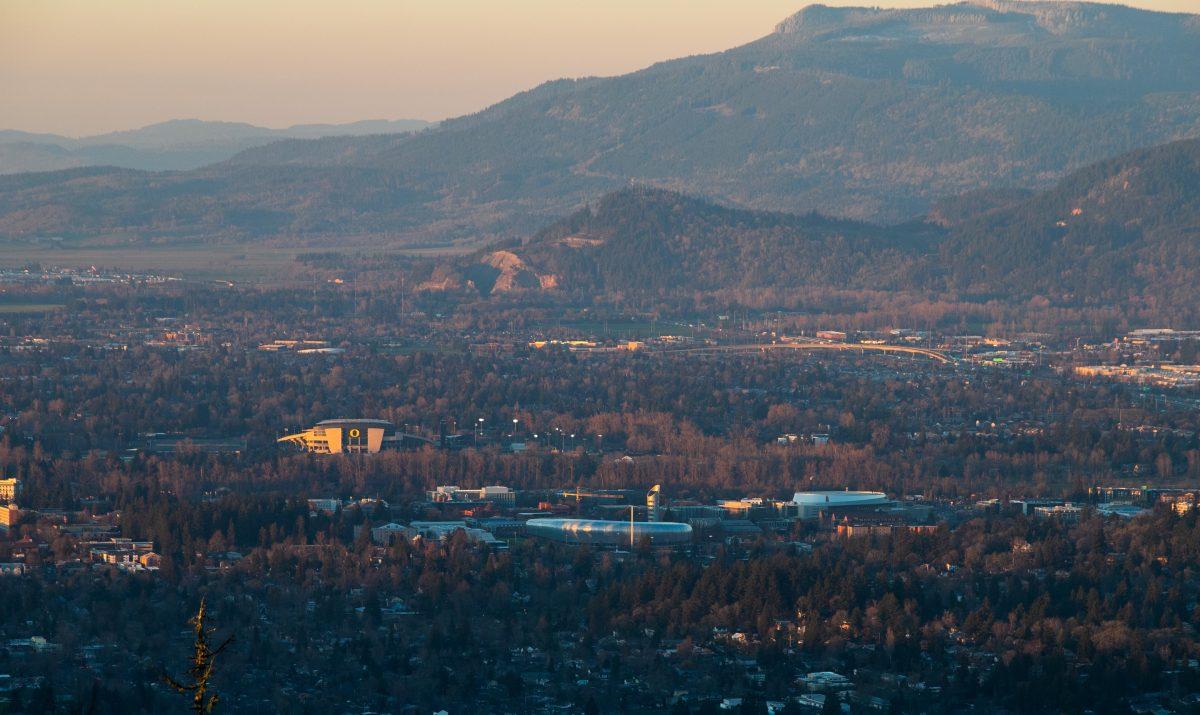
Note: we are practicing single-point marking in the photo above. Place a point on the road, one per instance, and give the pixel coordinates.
(817, 345)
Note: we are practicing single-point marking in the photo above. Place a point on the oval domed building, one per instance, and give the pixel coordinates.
(810, 504)
(610, 533)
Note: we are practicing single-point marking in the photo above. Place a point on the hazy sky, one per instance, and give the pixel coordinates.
(88, 66)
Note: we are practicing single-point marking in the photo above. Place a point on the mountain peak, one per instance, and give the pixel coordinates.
(817, 17)
(1065, 18)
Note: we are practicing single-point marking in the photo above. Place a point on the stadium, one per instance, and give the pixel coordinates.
(354, 436)
(610, 533)
(810, 504)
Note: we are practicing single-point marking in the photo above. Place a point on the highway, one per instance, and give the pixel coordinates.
(816, 345)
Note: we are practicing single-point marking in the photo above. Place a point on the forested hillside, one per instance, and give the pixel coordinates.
(860, 113)
(649, 240)
(1124, 230)
(1121, 233)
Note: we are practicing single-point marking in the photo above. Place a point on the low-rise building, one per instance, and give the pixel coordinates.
(34, 644)
(501, 526)
(1029, 507)
(850, 531)
(1065, 512)
(826, 682)
(498, 495)
(118, 551)
(1125, 511)
(834, 335)
(327, 507)
(442, 530)
(390, 533)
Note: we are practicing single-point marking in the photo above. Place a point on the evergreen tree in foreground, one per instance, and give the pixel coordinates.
(204, 658)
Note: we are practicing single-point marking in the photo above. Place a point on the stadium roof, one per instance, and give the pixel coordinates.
(354, 420)
(600, 531)
(839, 499)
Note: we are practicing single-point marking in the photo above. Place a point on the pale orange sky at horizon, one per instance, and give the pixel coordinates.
(80, 67)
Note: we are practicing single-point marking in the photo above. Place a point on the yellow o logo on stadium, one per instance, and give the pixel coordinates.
(354, 433)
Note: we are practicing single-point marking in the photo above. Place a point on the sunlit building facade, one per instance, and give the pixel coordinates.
(345, 436)
(10, 490)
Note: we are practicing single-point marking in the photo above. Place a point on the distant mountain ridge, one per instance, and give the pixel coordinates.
(178, 144)
(862, 113)
(1122, 233)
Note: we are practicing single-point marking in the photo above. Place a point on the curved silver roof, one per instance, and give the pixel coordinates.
(600, 531)
(836, 498)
